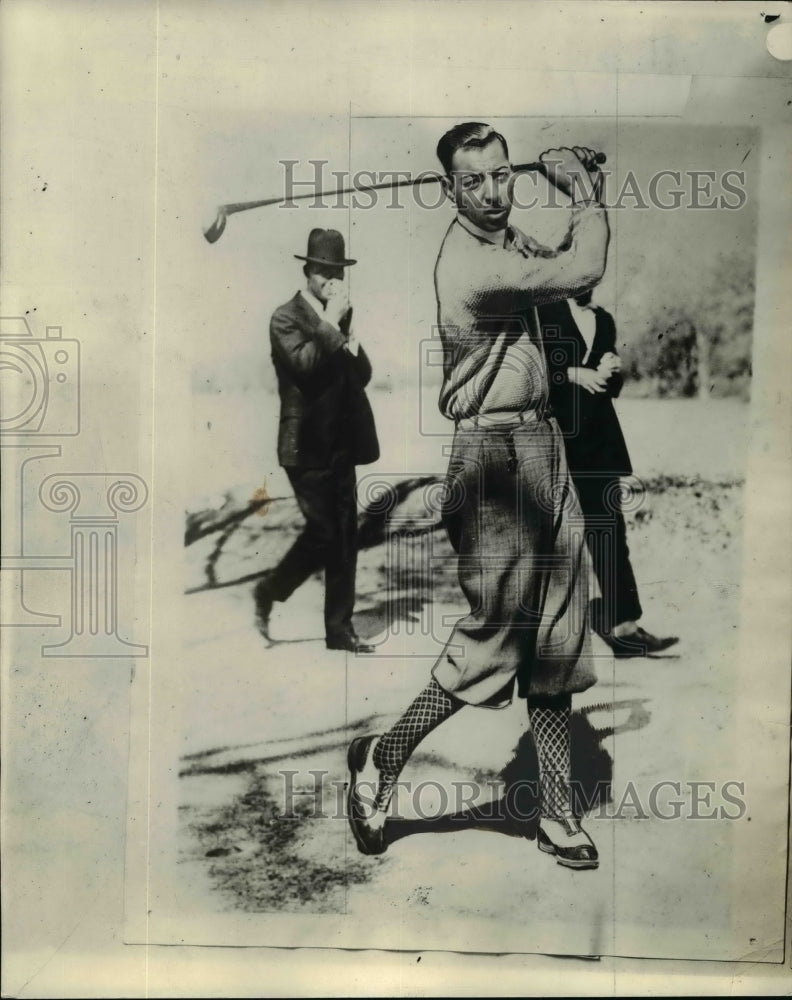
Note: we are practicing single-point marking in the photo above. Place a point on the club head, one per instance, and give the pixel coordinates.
(215, 230)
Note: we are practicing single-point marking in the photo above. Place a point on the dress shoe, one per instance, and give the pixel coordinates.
(264, 601)
(637, 643)
(581, 854)
(366, 821)
(349, 642)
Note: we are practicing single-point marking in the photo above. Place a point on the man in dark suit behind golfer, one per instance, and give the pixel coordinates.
(326, 429)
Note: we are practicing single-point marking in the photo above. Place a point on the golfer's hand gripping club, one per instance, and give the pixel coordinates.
(575, 172)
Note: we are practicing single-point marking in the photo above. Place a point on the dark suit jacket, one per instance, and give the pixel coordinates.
(325, 415)
(592, 435)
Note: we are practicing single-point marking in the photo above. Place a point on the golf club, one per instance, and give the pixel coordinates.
(216, 229)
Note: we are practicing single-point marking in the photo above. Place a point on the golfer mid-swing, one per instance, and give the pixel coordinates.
(510, 509)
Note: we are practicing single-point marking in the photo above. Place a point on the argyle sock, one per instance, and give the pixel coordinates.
(550, 725)
(392, 751)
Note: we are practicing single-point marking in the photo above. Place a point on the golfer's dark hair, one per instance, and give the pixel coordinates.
(468, 135)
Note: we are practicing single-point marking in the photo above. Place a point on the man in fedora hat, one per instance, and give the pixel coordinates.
(326, 429)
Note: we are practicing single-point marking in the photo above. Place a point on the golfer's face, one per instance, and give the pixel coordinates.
(480, 186)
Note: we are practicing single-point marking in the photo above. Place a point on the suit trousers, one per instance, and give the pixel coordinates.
(606, 535)
(328, 541)
(513, 518)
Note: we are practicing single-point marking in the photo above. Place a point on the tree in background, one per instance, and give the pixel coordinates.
(696, 339)
(728, 312)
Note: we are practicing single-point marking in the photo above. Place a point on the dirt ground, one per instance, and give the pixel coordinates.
(262, 828)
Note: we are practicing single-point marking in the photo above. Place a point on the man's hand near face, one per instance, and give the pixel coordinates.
(338, 311)
(337, 294)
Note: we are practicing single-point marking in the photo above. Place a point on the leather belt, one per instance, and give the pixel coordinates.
(505, 421)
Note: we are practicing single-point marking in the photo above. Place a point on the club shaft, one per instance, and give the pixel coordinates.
(243, 206)
(215, 230)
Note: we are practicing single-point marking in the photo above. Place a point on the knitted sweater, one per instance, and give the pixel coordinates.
(486, 298)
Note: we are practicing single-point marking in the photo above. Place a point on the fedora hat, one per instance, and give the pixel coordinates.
(326, 246)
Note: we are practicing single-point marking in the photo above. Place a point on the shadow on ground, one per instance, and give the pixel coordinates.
(268, 855)
(516, 812)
